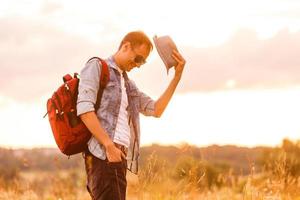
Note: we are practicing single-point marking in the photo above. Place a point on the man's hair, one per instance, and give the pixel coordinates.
(137, 38)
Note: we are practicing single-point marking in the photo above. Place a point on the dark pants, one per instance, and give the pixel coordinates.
(105, 180)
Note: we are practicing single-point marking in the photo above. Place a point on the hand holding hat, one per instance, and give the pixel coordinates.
(165, 46)
(169, 54)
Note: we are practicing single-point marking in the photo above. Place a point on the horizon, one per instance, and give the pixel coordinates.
(177, 145)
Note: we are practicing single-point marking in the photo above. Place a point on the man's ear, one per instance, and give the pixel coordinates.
(125, 46)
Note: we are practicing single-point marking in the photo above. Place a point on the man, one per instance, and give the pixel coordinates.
(115, 141)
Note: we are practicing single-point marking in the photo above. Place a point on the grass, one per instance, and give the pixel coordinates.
(158, 181)
(70, 185)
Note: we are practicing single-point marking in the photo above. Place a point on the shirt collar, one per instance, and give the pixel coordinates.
(113, 64)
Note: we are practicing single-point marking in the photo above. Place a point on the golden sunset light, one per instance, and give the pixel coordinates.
(225, 118)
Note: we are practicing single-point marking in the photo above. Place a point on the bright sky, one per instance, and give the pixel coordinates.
(241, 82)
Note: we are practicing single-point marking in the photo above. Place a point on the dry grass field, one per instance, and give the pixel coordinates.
(186, 179)
(70, 185)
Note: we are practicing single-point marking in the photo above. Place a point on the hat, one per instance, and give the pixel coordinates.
(165, 46)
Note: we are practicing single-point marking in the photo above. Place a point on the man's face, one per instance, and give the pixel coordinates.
(135, 56)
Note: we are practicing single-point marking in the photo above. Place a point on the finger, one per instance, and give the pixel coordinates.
(178, 54)
(110, 159)
(123, 155)
(179, 61)
(114, 159)
(114, 156)
(178, 57)
(118, 156)
(175, 56)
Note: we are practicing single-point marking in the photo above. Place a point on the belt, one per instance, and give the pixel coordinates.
(122, 148)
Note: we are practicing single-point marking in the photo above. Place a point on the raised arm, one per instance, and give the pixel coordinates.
(162, 102)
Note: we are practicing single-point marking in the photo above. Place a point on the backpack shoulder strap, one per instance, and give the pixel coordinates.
(104, 78)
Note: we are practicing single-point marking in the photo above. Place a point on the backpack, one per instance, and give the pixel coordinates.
(70, 133)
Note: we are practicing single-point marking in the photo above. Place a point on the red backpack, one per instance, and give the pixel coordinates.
(70, 133)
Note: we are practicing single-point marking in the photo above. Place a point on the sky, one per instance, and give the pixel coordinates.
(241, 83)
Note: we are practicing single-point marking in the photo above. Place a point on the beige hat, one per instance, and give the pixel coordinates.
(165, 46)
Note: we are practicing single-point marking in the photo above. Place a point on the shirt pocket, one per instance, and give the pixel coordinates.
(111, 96)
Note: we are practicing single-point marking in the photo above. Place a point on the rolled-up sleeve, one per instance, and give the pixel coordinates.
(146, 103)
(88, 87)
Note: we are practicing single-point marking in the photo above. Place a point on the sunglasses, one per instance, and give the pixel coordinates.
(138, 59)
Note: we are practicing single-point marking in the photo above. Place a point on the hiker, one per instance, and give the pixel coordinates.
(115, 142)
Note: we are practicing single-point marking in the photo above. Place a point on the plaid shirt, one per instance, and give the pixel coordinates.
(110, 107)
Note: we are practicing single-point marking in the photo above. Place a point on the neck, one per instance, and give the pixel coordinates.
(117, 59)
